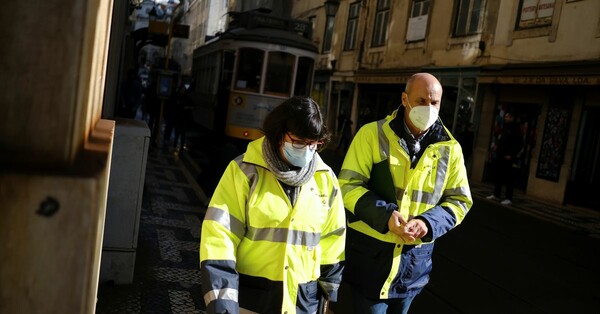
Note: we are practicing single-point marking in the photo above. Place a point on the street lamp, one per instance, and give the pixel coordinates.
(331, 7)
(172, 7)
(136, 3)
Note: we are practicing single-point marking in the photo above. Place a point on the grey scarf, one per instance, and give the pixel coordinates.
(282, 171)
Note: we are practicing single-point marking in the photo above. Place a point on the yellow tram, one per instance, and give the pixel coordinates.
(246, 71)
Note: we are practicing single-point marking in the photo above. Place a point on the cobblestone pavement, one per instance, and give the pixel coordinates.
(167, 272)
(583, 220)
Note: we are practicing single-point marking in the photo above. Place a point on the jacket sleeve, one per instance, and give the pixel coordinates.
(333, 239)
(222, 230)
(455, 202)
(515, 142)
(365, 204)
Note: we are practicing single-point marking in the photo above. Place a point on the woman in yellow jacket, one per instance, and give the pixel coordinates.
(273, 236)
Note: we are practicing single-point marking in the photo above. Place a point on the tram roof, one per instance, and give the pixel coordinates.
(271, 36)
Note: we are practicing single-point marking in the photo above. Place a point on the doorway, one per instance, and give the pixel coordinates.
(526, 115)
(585, 176)
(376, 101)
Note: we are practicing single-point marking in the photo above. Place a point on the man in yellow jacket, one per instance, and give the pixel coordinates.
(404, 185)
(273, 237)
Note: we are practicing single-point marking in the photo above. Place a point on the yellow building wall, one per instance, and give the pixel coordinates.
(574, 35)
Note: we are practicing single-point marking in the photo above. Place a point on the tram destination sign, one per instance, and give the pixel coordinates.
(255, 19)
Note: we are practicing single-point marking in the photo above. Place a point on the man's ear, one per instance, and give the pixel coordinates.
(404, 96)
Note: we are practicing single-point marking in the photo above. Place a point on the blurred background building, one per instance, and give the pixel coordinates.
(538, 58)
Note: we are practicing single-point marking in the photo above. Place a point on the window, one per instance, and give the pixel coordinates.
(280, 68)
(249, 69)
(350, 40)
(382, 17)
(535, 13)
(207, 70)
(304, 76)
(469, 17)
(417, 24)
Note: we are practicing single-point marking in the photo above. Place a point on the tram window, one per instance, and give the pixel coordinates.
(249, 69)
(279, 73)
(304, 76)
(207, 73)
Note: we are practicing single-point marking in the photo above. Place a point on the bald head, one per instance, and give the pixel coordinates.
(422, 78)
(422, 89)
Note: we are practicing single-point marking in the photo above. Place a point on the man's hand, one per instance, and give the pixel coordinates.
(407, 231)
(396, 223)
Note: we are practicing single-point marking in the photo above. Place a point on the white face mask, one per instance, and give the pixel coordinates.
(298, 157)
(422, 117)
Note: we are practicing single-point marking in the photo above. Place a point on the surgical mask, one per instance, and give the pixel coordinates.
(422, 117)
(298, 157)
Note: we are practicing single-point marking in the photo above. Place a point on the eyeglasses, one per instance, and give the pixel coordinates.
(301, 144)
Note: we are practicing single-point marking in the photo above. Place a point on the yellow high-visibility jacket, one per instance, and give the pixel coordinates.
(259, 252)
(378, 177)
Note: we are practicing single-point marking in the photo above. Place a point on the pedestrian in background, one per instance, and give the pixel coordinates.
(170, 115)
(131, 95)
(273, 237)
(404, 185)
(183, 116)
(153, 107)
(507, 148)
(466, 139)
(345, 135)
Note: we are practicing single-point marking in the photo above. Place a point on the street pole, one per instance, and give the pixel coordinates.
(159, 137)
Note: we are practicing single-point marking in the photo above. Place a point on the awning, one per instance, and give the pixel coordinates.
(383, 76)
(400, 76)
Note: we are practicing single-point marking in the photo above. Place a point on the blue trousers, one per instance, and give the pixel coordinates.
(363, 305)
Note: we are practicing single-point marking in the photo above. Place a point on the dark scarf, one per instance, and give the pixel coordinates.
(434, 134)
(283, 172)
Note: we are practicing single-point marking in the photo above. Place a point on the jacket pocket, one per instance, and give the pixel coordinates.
(308, 300)
(415, 266)
(260, 294)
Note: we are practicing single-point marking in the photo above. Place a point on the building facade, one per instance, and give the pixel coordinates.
(537, 58)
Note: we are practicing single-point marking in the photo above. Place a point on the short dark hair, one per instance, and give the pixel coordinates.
(298, 115)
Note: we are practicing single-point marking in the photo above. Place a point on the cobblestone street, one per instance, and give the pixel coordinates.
(167, 272)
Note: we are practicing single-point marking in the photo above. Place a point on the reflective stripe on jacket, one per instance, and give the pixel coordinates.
(436, 190)
(255, 242)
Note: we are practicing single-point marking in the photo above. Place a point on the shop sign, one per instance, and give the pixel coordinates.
(542, 80)
(381, 79)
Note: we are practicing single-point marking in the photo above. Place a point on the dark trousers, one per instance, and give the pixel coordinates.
(504, 174)
(364, 305)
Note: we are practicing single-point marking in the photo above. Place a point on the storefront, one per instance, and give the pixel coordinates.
(557, 107)
(379, 92)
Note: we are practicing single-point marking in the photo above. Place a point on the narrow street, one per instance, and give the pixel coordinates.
(528, 258)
